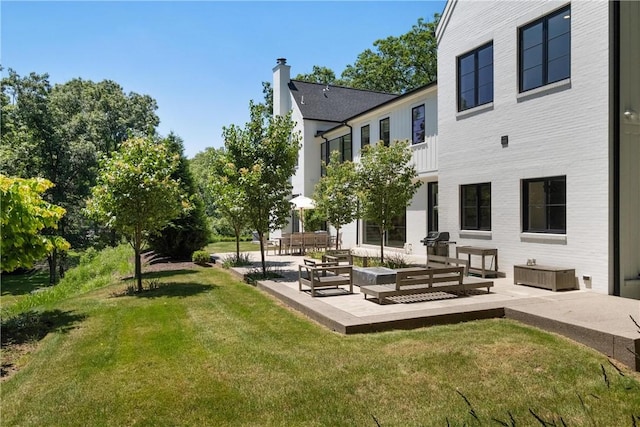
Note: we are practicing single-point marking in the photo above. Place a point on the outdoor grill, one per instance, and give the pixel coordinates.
(437, 243)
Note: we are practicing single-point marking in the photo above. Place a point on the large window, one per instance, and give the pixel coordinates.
(341, 144)
(365, 138)
(545, 50)
(396, 237)
(544, 207)
(417, 124)
(385, 133)
(475, 77)
(475, 206)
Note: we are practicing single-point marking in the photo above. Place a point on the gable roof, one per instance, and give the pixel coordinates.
(334, 103)
(428, 86)
(444, 19)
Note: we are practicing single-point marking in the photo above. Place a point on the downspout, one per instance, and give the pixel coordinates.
(357, 219)
(616, 148)
(326, 146)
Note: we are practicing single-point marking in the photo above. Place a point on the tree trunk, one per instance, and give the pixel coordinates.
(337, 238)
(264, 262)
(382, 246)
(52, 260)
(62, 264)
(137, 246)
(138, 270)
(237, 231)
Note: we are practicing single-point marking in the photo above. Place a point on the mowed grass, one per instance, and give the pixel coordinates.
(230, 247)
(206, 349)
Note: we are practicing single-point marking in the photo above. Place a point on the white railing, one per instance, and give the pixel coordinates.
(425, 156)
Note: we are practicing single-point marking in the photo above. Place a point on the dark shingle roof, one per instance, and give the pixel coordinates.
(335, 104)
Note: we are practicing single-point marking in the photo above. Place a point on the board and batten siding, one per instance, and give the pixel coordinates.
(562, 129)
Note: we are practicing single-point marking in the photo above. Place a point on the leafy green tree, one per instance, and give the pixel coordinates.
(136, 194)
(264, 156)
(387, 182)
(336, 195)
(202, 166)
(314, 220)
(26, 216)
(267, 91)
(230, 197)
(395, 65)
(59, 132)
(322, 75)
(189, 232)
(399, 64)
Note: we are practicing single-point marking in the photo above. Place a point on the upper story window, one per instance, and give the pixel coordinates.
(544, 205)
(475, 206)
(475, 77)
(545, 50)
(417, 124)
(365, 138)
(385, 133)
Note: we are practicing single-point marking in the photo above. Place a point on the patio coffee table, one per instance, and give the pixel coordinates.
(366, 276)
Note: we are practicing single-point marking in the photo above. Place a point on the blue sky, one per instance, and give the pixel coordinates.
(202, 61)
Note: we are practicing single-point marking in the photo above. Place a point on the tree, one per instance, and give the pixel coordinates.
(264, 156)
(25, 217)
(230, 197)
(335, 194)
(202, 166)
(395, 65)
(322, 75)
(136, 194)
(387, 182)
(188, 232)
(59, 132)
(399, 64)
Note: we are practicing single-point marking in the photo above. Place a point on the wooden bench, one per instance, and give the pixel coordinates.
(324, 275)
(437, 261)
(418, 280)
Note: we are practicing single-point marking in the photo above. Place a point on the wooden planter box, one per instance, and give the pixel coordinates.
(552, 278)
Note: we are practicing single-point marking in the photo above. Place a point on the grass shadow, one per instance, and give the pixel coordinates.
(171, 289)
(20, 333)
(161, 274)
(33, 325)
(23, 283)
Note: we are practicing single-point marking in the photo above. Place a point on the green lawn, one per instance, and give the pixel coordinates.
(205, 349)
(17, 286)
(226, 247)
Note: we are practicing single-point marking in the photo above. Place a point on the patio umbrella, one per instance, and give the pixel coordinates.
(301, 203)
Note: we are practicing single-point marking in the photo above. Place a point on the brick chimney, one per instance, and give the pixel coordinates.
(281, 95)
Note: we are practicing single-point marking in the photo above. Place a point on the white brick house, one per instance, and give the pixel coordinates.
(532, 136)
(338, 118)
(537, 156)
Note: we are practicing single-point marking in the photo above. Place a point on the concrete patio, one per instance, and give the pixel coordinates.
(603, 322)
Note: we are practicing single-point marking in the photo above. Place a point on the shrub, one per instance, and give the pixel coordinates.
(395, 261)
(241, 260)
(200, 257)
(88, 255)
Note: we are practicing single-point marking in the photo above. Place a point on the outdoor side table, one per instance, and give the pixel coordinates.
(482, 252)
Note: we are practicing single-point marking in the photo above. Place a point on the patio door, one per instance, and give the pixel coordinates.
(395, 238)
(432, 206)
